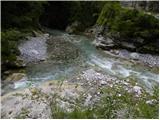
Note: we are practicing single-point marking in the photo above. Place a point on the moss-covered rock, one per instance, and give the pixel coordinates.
(130, 25)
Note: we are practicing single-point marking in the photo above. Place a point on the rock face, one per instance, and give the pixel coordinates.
(107, 40)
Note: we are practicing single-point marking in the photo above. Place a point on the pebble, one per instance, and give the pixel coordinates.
(134, 56)
(102, 82)
(88, 99)
(137, 90)
(151, 102)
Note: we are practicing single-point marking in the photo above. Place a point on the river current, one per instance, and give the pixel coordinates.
(90, 57)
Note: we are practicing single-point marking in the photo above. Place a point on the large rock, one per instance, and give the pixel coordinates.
(134, 56)
(127, 45)
(104, 43)
(17, 77)
(74, 27)
(95, 30)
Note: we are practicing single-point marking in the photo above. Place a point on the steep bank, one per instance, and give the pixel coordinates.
(130, 29)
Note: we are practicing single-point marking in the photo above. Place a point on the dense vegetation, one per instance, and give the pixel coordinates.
(130, 24)
(68, 12)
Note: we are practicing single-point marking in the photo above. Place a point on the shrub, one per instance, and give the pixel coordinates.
(9, 41)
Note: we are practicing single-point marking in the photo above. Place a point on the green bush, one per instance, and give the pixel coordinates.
(85, 12)
(132, 24)
(22, 14)
(108, 13)
(9, 41)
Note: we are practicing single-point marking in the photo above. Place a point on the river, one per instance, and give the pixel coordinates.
(90, 58)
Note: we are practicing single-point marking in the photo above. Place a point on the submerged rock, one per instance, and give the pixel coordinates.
(17, 77)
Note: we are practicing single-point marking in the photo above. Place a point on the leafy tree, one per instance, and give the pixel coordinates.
(21, 14)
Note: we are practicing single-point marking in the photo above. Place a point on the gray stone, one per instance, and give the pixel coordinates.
(88, 100)
(127, 45)
(137, 90)
(17, 77)
(151, 102)
(102, 82)
(134, 56)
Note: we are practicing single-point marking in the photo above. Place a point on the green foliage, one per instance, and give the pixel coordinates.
(108, 13)
(128, 24)
(21, 14)
(9, 41)
(85, 12)
(132, 24)
(19, 18)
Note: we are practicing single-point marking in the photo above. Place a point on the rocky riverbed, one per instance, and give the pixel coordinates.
(86, 87)
(37, 102)
(109, 46)
(69, 72)
(147, 59)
